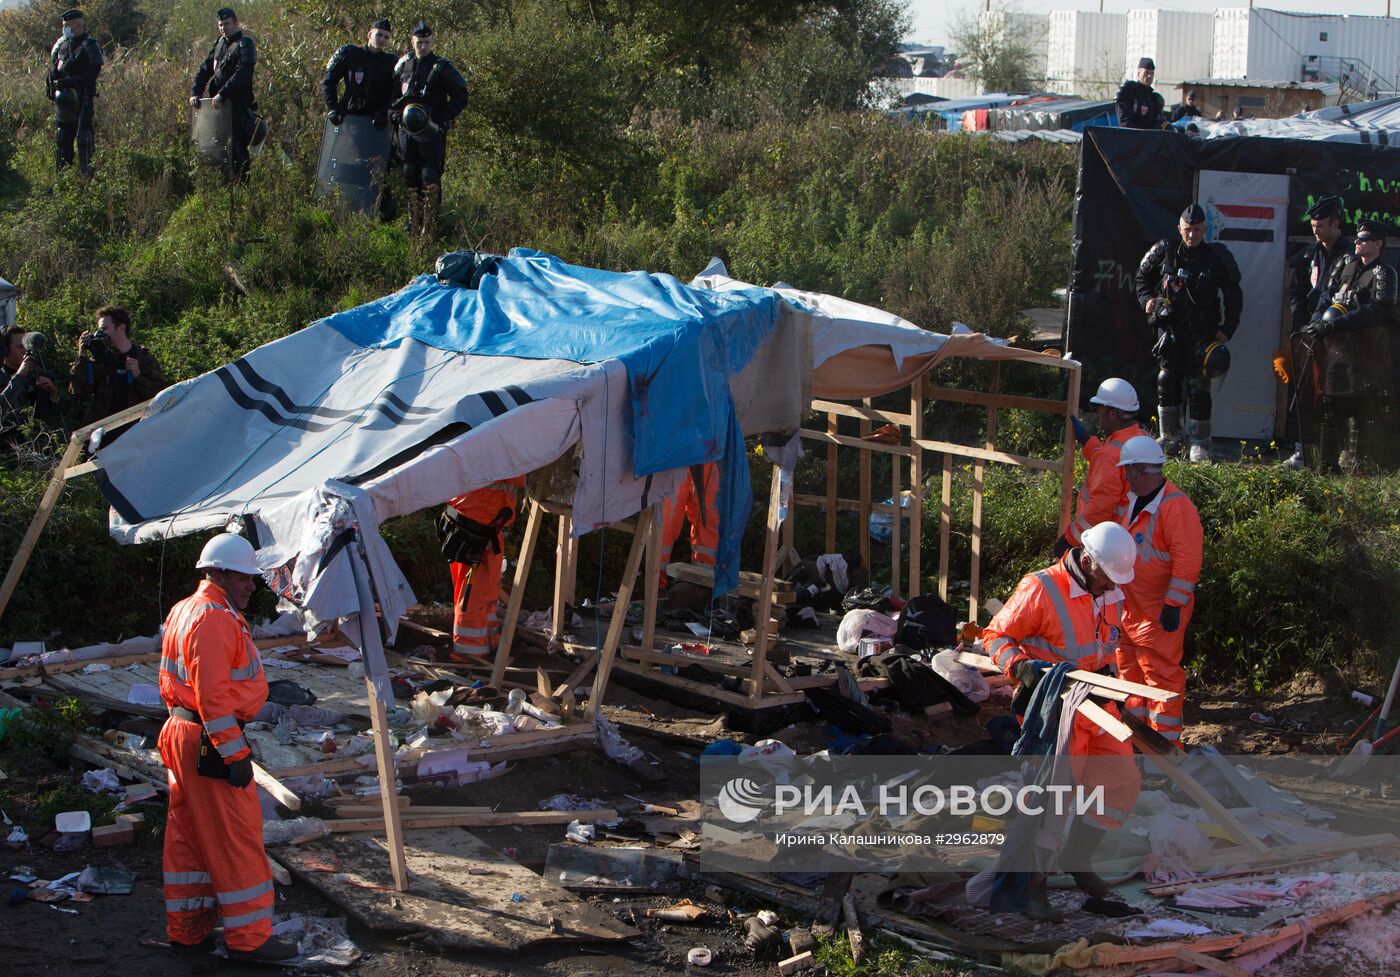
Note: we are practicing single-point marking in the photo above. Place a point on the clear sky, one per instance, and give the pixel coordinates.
(934, 19)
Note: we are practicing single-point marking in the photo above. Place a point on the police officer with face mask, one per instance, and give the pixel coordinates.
(74, 64)
(227, 76)
(368, 76)
(432, 92)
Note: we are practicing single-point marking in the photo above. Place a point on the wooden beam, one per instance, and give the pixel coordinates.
(773, 522)
(1102, 718)
(862, 411)
(777, 678)
(916, 484)
(517, 592)
(273, 786)
(1207, 801)
(558, 627)
(863, 530)
(47, 502)
(982, 454)
(651, 586)
(1067, 465)
(619, 616)
(979, 471)
(896, 525)
(1006, 401)
(945, 526)
(489, 819)
(850, 442)
(832, 427)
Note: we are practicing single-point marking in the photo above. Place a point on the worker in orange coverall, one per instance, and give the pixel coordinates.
(1167, 530)
(699, 507)
(1104, 489)
(212, 681)
(470, 530)
(1072, 611)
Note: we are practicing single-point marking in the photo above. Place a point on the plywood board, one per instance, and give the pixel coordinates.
(460, 891)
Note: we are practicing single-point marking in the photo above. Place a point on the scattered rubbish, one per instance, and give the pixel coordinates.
(614, 745)
(72, 822)
(106, 881)
(766, 750)
(322, 942)
(143, 694)
(600, 870)
(18, 836)
(684, 911)
(570, 802)
(699, 956)
(96, 667)
(801, 941)
(516, 897)
(1363, 698)
(114, 835)
(767, 917)
(760, 937)
(802, 961)
(581, 833)
(294, 831)
(63, 909)
(1264, 719)
(101, 781)
(23, 874)
(1164, 929)
(721, 748)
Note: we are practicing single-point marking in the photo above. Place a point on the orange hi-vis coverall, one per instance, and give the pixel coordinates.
(1051, 618)
(1169, 541)
(476, 588)
(1104, 489)
(704, 520)
(215, 865)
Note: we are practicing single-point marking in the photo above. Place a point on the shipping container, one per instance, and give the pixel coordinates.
(1271, 45)
(1033, 27)
(1086, 52)
(1179, 42)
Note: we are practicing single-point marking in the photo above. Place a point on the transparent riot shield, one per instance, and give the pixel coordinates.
(354, 162)
(211, 131)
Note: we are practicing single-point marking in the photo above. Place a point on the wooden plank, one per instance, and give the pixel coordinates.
(856, 442)
(462, 893)
(982, 454)
(772, 522)
(1067, 466)
(576, 677)
(85, 468)
(1007, 401)
(557, 625)
(772, 699)
(945, 526)
(1207, 801)
(651, 586)
(411, 818)
(896, 526)
(750, 584)
(863, 490)
(832, 427)
(1102, 718)
(1288, 853)
(273, 786)
(979, 472)
(517, 592)
(619, 617)
(916, 484)
(861, 411)
(777, 678)
(841, 505)
(47, 502)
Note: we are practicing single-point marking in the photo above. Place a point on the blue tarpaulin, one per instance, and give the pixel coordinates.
(680, 346)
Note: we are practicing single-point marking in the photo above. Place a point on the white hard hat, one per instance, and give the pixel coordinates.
(1141, 450)
(1113, 550)
(228, 551)
(1118, 394)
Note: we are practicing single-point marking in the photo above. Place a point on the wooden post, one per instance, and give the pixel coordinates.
(652, 587)
(517, 593)
(831, 428)
(945, 525)
(897, 523)
(916, 483)
(47, 502)
(558, 627)
(640, 535)
(764, 607)
(372, 652)
(864, 528)
(979, 471)
(1067, 479)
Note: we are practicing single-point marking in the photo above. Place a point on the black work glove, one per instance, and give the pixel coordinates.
(240, 772)
(1317, 328)
(1027, 673)
(1171, 618)
(1062, 546)
(336, 116)
(380, 120)
(1081, 433)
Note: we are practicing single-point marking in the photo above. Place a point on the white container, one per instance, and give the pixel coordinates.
(1086, 52)
(1034, 28)
(73, 822)
(1180, 43)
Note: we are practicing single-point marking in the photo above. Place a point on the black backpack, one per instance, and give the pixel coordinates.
(927, 622)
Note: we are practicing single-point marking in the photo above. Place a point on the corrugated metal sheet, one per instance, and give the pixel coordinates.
(1086, 49)
(1180, 43)
(1276, 46)
(1375, 42)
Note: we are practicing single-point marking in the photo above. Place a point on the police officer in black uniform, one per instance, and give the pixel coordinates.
(1187, 109)
(432, 92)
(1139, 107)
(227, 77)
(1181, 285)
(1308, 295)
(74, 64)
(1351, 354)
(368, 74)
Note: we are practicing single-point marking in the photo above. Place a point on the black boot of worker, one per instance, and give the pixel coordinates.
(1079, 850)
(1039, 907)
(272, 951)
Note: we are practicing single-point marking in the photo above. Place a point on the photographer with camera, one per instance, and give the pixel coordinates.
(112, 370)
(1181, 284)
(24, 384)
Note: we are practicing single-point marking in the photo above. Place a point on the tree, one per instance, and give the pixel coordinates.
(998, 51)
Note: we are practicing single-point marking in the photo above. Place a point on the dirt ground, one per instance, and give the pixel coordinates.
(111, 934)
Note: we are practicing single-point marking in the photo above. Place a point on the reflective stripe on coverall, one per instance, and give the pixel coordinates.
(475, 589)
(1051, 618)
(1169, 541)
(704, 521)
(215, 865)
(1105, 488)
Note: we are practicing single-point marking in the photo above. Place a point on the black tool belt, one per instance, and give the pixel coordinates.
(464, 540)
(180, 712)
(208, 761)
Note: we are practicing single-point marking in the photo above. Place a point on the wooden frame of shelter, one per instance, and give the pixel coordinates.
(763, 685)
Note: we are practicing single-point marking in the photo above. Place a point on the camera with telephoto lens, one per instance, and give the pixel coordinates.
(98, 345)
(1170, 285)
